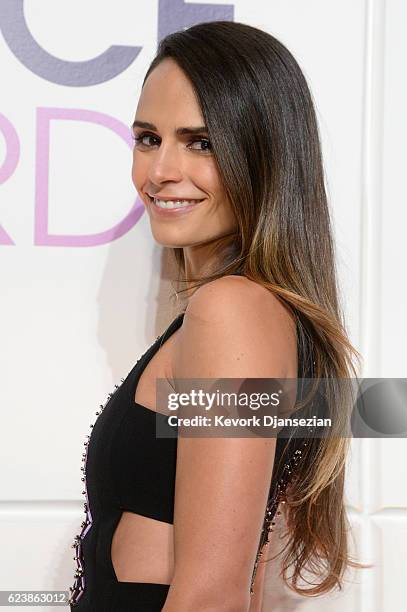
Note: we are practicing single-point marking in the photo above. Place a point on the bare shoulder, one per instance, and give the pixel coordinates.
(236, 327)
(235, 296)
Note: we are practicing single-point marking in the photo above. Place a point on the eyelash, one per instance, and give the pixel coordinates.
(138, 139)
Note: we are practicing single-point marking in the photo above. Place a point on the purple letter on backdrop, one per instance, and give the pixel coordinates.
(9, 164)
(20, 41)
(41, 235)
(174, 15)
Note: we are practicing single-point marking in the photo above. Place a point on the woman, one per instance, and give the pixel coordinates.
(227, 162)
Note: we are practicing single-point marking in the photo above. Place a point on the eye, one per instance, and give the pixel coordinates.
(139, 139)
(208, 146)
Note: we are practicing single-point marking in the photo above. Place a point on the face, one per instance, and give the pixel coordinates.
(170, 164)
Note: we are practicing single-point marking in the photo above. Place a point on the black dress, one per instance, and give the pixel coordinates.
(127, 468)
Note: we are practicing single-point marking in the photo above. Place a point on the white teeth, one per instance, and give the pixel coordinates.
(174, 203)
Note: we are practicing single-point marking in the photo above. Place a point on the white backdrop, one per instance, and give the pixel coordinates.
(83, 289)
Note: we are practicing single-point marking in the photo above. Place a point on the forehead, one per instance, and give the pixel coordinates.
(168, 95)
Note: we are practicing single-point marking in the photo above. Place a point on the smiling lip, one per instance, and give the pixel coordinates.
(172, 199)
(166, 212)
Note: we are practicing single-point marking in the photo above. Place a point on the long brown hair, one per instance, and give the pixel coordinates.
(263, 129)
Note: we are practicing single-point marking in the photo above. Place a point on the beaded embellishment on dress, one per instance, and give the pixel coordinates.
(277, 498)
(79, 586)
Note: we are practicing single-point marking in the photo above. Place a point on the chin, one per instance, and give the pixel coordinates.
(165, 240)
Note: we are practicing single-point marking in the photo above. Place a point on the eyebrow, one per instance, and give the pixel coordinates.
(181, 131)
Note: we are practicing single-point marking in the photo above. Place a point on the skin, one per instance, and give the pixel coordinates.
(182, 166)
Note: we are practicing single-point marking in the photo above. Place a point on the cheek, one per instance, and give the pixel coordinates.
(208, 177)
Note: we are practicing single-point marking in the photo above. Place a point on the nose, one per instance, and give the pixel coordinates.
(165, 164)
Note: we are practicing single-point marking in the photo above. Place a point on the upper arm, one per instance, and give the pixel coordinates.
(222, 484)
(234, 328)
